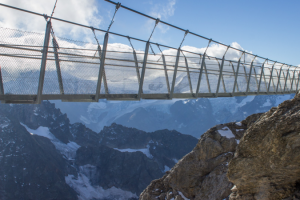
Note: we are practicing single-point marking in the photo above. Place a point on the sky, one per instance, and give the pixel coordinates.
(267, 28)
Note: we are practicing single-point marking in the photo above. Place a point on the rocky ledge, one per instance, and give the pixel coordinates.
(263, 152)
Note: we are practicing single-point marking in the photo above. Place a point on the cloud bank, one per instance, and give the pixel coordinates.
(84, 12)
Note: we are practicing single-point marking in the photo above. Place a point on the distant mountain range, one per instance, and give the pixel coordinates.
(193, 117)
(44, 156)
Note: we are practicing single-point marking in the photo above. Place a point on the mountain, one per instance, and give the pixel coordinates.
(193, 117)
(44, 156)
(257, 158)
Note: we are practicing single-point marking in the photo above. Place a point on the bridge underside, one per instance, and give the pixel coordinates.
(31, 99)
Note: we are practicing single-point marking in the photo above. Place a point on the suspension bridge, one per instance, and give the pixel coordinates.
(41, 66)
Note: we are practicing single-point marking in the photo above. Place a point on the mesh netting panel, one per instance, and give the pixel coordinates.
(51, 85)
(289, 81)
(19, 37)
(264, 80)
(121, 80)
(20, 60)
(273, 81)
(182, 82)
(194, 69)
(79, 63)
(279, 83)
(155, 79)
(294, 81)
(155, 82)
(79, 78)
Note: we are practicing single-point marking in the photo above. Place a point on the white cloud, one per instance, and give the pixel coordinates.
(84, 12)
(162, 11)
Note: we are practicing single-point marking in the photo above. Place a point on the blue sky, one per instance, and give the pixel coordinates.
(266, 28)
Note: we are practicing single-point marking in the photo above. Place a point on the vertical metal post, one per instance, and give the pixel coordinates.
(101, 70)
(57, 64)
(249, 79)
(271, 78)
(103, 75)
(166, 73)
(200, 75)
(1, 83)
(220, 76)
(188, 75)
(287, 75)
(136, 67)
(175, 73)
(261, 74)
(207, 79)
(143, 70)
(43, 63)
(235, 76)
(278, 76)
(293, 79)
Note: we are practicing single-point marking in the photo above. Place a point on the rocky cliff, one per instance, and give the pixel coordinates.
(201, 174)
(263, 152)
(266, 164)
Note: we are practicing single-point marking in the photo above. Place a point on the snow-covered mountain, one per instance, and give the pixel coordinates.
(44, 156)
(192, 117)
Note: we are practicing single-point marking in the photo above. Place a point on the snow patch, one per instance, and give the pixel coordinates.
(267, 103)
(180, 193)
(68, 150)
(239, 123)
(84, 119)
(226, 132)
(166, 168)
(86, 191)
(98, 106)
(181, 125)
(144, 151)
(5, 122)
(246, 100)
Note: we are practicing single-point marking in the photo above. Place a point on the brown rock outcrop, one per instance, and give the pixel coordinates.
(201, 174)
(266, 164)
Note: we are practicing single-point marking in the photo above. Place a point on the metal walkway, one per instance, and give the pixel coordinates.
(40, 66)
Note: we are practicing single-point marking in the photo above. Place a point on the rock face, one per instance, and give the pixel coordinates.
(201, 174)
(266, 164)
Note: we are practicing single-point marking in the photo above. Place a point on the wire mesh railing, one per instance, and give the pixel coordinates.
(40, 66)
